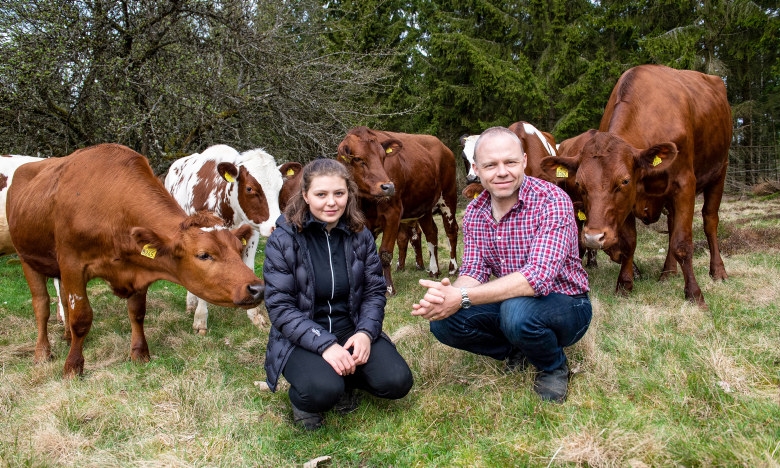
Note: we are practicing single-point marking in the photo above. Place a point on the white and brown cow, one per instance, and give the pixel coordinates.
(241, 189)
(101, 213)
(8, 165)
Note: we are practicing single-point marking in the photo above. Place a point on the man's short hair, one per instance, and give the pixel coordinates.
(493, 131)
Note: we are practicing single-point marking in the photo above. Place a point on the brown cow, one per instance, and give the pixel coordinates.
(408, 177)
(664, 137)
(101, 213)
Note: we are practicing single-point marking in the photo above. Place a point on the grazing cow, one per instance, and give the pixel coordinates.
(101, 213)
(240, 189)
(8, 165)
(664, 138)
(403, 177)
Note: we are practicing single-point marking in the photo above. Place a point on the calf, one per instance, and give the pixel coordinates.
(240, 189)
(101, 213)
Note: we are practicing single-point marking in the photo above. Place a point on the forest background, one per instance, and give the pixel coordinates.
(169, 78)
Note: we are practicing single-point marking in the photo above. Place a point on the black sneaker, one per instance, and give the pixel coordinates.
(306, 420)
(552, 385)
(347, 403)
(515, 361)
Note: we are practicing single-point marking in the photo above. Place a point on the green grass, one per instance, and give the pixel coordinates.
(659, 382)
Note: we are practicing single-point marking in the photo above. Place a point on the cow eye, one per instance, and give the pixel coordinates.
(625, 181)
(204, 256)
(249, 190)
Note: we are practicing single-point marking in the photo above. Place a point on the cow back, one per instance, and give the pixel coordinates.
(81, 203)
(654, 103)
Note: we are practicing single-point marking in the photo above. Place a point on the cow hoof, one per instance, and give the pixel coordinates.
(43, 356)
(390, 291)
(201, 332)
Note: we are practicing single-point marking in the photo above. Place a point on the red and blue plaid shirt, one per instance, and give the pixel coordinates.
(537, 237)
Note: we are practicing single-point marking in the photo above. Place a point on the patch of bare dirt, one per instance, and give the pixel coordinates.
(749, 239)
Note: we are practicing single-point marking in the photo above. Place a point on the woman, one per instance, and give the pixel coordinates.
(325, 295)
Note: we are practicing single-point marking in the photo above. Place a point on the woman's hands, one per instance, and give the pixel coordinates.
(344, 362)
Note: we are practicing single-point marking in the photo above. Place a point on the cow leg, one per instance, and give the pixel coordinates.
(402, 241)
(627, 242)
(682, 244)
(61, 311)
(432, 239)
(136, 311)
(40, 302)
(415, 237)
(257, 317)
(409, 232)
(192, 302)
(389, 237)
(709, 212)
(201, 317)
(79, 313)
(447, 206)
(670, 263)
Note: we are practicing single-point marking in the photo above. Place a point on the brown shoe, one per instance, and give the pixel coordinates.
(306, 420)
(553, 385)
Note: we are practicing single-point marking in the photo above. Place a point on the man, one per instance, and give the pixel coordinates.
(521, 230)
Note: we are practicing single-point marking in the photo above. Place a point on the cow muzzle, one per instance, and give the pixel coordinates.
(250, 296)
(593, 240)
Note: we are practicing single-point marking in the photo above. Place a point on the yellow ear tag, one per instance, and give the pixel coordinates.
(149, 251)
(243, 241)
(229, 178)
(476, 195)
(656, 161)
(290, 172)
(561, 172)
(389, 150)
(581, 216)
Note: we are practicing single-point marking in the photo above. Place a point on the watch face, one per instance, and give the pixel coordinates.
(465, 303)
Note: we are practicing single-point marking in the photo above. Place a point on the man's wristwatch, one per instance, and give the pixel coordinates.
(465, 302)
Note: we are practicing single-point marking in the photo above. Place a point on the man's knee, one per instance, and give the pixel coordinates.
(317, 396)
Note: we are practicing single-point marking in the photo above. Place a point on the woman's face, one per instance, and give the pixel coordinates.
(327, 198)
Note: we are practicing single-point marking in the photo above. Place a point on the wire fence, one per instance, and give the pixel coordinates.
(750, 166)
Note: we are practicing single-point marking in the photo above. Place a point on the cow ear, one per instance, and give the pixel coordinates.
(290, 169)
(557, 169)
(148, 243)
(244, 233)
(657, 157)
(392, 146)
(228, 171)
(463, 139)
(344, 154)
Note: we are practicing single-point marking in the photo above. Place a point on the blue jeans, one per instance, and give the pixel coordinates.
(540, 327)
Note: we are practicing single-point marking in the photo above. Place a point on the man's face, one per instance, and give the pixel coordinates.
(500, 164)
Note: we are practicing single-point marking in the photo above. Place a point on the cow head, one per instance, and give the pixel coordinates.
(205, 257)
(258, 184)
(364, 153)
(467, 142)
(609, 175)
(291, 177)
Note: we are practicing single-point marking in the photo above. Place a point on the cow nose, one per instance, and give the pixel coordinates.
(388, 189)
(593, 241)
(256, 291)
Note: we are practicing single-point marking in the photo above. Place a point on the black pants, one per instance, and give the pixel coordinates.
(315, 387)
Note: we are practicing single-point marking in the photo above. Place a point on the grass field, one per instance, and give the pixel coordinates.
(658, 381)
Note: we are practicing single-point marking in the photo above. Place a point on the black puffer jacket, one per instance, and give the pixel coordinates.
(289, 294)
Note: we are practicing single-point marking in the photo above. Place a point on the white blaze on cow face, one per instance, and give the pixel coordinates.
(468, 154)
